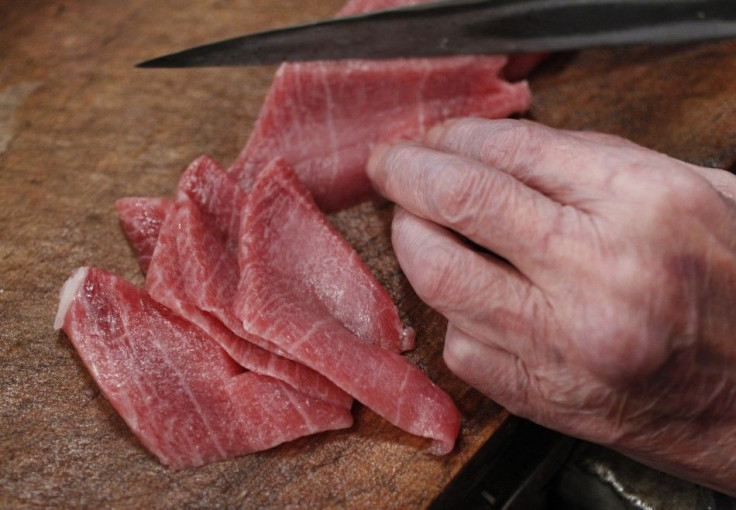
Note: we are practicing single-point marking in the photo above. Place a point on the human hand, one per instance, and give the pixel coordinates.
(607, 306)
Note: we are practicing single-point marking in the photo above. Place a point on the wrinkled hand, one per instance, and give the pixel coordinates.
(605, 306)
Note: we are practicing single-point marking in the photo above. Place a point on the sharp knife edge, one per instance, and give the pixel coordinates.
(473, 27)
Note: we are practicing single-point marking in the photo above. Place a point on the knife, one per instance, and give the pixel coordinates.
(457, 27)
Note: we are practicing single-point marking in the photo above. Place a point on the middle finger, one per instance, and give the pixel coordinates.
(486, 297)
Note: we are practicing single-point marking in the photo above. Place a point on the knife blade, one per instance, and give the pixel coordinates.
(458, 27)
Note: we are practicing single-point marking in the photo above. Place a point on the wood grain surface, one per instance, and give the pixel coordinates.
(80, 127)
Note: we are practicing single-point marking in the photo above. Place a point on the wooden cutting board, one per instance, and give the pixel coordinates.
(80, 127)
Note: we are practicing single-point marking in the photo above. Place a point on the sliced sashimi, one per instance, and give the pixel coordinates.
(165, 284)
(279, 301)
(312, 252)
(141, 219)
(209, 271)
(280, 410)
(209, 260)
(209, 204)
(178, 391)
(216, 195)
(324, 118)
(209, 274)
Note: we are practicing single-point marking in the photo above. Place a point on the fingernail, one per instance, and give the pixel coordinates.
(436, 132)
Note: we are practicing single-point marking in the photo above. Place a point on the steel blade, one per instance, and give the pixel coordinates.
(473, 27)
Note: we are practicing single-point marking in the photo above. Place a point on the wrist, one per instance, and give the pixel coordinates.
(702, 452)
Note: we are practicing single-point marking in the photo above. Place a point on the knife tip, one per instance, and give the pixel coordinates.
(186, 58)
(159, 62)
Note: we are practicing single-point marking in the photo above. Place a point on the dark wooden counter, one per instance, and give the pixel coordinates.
(80, 127)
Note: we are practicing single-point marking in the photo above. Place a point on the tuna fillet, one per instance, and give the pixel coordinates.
(324, 118)
(278, 300)
(184, 398)
(344, 283)
(141, 219)
(167, 283)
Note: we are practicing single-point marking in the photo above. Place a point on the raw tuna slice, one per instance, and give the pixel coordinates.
(209, 261)
(141, 218)
(209, 204)
(215, 194)
(165, 284)
(325, 117)
(209, 271)
(183, 397)
(279, 301)
(518, 67)
(210, 275)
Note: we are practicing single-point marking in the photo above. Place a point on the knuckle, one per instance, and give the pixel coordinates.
(456, 202)
(470, 195)
(680, 191)
(683, 189)
(624, 343)
(484, 139)
(394, 161)
(619, 356)
(698, 195)
(436, 282)
(398, 155)
(513, 142)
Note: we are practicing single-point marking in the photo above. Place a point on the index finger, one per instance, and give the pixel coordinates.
(488, 206)
(554, 162)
